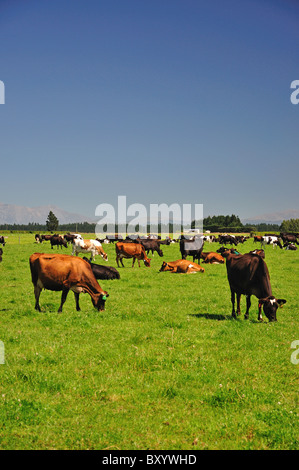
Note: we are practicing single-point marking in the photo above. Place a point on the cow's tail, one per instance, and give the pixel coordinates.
(33, 270)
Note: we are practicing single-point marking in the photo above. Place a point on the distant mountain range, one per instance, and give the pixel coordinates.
(273, 218)
(13, 214)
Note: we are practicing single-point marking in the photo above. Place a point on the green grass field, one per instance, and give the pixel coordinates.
(163, 367)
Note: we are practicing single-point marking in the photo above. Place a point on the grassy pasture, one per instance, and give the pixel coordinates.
(163, 367)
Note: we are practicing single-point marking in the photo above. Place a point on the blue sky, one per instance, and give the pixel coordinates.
(164, 101)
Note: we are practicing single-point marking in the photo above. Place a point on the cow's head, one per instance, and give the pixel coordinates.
(270, 305)
(102, 253)
(166, 267)
(147, 262)
(99, 303)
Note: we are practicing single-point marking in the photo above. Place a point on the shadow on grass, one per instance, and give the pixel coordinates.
(212, 316)
(220, 317)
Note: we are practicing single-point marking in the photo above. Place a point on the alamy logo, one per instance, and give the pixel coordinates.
(137, 220)
(295, 95)
(2, 92)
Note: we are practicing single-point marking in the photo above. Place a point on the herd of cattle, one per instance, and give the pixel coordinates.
(247, 273)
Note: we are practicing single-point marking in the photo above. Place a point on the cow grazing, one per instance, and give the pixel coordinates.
(192, 247)
(103, 272)
(152, 245)
(241, 238)
(212, 258)
(271, 240)
(38, 238)
(248, 275)
(231, 239)
(45, 238)
(70, 237)
(58, 272)
(58, 241)
(182, 266)
(289, 238)
(131, 250)
(93, 247)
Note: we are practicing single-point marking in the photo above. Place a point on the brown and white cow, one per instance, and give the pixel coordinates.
(131, 250)
(248, 275)
(181, 266)
(64, 273)
(89, 246)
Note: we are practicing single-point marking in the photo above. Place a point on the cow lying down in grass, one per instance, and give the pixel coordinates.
(103, 272)
(181, 266)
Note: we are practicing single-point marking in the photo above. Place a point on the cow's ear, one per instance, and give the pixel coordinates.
(281, 302)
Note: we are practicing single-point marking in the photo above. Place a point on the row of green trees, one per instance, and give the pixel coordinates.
(216, 223)
(291, 225)
(232, 223)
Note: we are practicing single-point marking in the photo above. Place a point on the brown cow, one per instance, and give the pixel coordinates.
(45, 238)
(58, 240)
(212, 258)
(131, 250)
(248, 275)
(63, 273)
(182, 266)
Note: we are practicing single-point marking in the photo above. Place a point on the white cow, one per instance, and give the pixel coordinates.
(88, 246)
(77, 235)
(271, 240)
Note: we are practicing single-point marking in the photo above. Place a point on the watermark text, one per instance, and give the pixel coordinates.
(136, 219)
(295, 94)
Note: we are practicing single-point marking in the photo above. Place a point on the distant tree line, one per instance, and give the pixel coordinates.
(215, 223)
(232, 223)
(84, 227)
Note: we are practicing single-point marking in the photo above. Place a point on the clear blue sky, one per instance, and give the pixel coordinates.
(183, 101)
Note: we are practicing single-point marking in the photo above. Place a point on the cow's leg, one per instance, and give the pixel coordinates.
(260, 318)
(37, 291)
(233, 303)
(238, 304)
(63, 299)
(133, 262)
(248, 303)
(77, 301)
(119, 258)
